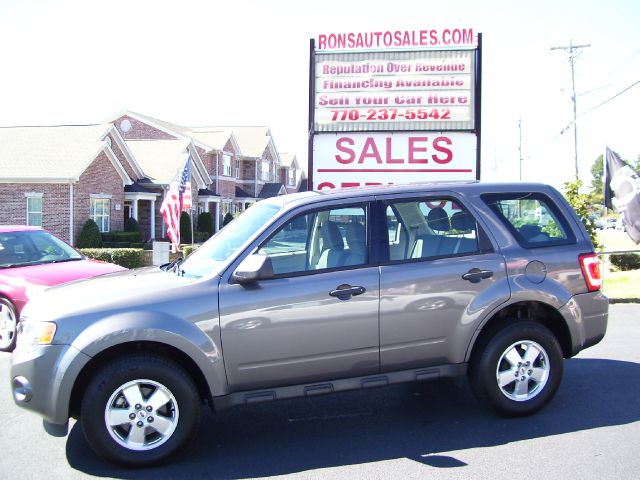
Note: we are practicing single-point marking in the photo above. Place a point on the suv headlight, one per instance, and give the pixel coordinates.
(31, 334)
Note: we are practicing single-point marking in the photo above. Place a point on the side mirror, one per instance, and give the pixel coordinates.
(253, 268)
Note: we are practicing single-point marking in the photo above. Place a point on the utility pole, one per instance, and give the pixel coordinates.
(573, 51)
(520, 145)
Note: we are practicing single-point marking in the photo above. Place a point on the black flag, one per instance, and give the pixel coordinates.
(622, 192)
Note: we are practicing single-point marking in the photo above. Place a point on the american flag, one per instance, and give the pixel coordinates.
(177, 199)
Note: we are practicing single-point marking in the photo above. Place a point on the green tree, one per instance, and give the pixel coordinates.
(581, 203)
(90, 236)
(131, 225)
(185, 228)
(228, 218)
(597, 182)
(205, 223)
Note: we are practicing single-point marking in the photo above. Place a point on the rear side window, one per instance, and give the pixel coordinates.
(534, 220)
(430, 228)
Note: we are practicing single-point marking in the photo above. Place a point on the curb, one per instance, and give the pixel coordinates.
(624, 300)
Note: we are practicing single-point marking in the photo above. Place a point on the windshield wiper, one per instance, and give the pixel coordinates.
(172, 265)
(63, 260)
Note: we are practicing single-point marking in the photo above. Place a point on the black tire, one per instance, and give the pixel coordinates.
(162, 428)
(495, 363)
(8, 325)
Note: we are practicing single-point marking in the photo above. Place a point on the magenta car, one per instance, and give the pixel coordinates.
(32, 259)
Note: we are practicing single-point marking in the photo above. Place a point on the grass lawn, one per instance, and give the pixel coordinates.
(622, 284)
(618, 284)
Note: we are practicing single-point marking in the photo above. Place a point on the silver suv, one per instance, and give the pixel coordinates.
(316, 293)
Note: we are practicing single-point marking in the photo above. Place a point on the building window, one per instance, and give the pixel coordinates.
(266, 174)
(100, 209)
(291, 176)
(226, 165)
(237, 170)
(34, 209)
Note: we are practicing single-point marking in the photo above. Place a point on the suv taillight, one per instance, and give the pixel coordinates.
(590, 264)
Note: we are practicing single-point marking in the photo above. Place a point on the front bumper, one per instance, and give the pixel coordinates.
(42, 379)
(587, 316)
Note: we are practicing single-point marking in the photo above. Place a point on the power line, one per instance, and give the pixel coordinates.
(608, 100)
(600, 105)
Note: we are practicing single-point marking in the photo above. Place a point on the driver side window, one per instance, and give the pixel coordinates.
(320, 240)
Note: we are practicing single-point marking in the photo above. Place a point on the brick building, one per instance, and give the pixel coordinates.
(58, 177)
(242, 162)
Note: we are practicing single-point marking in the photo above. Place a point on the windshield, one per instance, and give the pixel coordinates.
(32, 247)
(211, 255)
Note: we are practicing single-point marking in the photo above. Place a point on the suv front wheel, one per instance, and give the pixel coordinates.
(517, 369)
(139, 410)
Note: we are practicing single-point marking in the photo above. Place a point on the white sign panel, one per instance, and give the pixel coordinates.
(350, 159)
(415, 90)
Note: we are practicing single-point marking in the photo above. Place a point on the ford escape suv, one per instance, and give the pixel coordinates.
(315, 293)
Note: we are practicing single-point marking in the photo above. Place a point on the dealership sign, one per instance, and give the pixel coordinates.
(404, 113)
(360, 159)
(427, 90)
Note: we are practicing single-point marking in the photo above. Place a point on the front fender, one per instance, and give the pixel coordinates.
(142, 326)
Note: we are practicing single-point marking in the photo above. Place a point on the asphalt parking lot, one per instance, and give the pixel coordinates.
(432, 430)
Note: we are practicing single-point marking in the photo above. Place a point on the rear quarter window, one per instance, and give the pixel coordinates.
(533, 218)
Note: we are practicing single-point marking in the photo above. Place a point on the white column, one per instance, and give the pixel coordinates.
(153, 219)
(134, 209)
(217, 212)
(71, 214)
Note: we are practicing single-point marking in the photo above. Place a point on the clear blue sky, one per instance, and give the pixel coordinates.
(246, 62)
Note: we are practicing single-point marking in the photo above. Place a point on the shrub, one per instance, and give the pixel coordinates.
(228, 218)
(188, 249)
(201, 237)
(205, 223)
(128, 257)
(102, 254)
(185, 228)
(131, 225)
(121, 237)
(625, 261)
(125, 257)
(90, 235)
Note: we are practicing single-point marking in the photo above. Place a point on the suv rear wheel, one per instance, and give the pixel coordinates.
(517, 369)
(139, 410)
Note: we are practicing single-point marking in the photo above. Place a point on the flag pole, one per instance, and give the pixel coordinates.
(191, 218)
(605, 227)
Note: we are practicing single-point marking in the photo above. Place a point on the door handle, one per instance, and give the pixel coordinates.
(343, 292)
(475, 275)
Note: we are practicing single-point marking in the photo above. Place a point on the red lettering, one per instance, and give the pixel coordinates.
(370, 144)
(448, 154)
(414, 149)
(390, 158)
(349, 184)
(340, 146)
(327, 185)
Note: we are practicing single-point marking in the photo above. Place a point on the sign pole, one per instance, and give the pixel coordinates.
(478, 105)
(312, 96)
